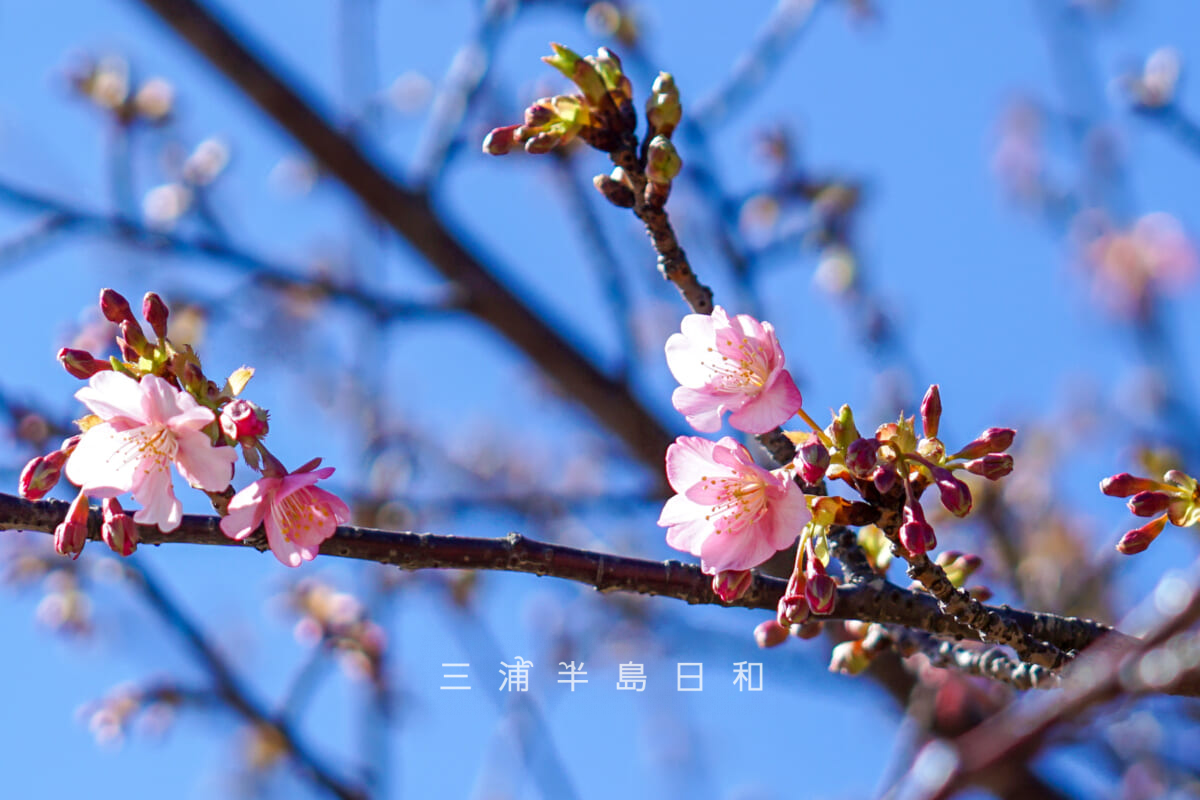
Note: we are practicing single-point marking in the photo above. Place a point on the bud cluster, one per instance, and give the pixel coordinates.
(1174, 499)
(107, 85)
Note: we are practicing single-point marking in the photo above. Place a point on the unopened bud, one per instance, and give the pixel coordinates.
(118, 529)
(80, 363)
(663, 110)
(792, 610)
(155, 312)
(813, 459)
(731, 584)
(842, 429)
(931, 412)
(663, 162)
(115, 307)
(849, 658)
(993, 466)
(71, 534)
(993, 440)
(500, 140)
(615, 192)
(1138, 539)
(41, 475)
(885, 478)
(770, 634)
(580, 72)
(1149, 504)
(862, 456)
(955, 494)
(539, 115)
(134, 338)
(820, 590)
(542, 143)
(808, 630)
(1124, 485)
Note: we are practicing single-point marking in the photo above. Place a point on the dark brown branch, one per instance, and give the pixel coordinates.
(877, 601)
(412, 217)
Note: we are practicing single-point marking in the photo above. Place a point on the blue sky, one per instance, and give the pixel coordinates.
(983, 293)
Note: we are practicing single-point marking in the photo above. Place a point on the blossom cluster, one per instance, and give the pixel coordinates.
(154, 413)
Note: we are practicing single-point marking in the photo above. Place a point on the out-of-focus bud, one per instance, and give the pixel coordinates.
(873, 540)
(134, 338)
(71, 534)
(812, 460)
(993, 466)
(663, 109)
(154, 100)
(115, 307)
(885, 477)
(931, 412)
(155, 312)
(849, 658)
(192, 377)
(1124, 485)
(1149, 504)
(41, 475)
(118, 529)
(615, 192)
(80, 363)
(663, 162)
(980, 593)
(862, 456)
(242, 419)
(958, 567)
(501, 140)
(955, 495)
(539, 114)
(770, 634)
(808, 630)
(993, 440)
(542, 143)
(1138, 539)
(731, 584)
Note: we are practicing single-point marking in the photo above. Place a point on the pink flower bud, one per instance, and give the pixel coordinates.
(813, 459)
(131, 333)
(955, 495)
(1149, 504)
(770, 634)
(614, 191)
(862, 456)
(993, 440)
(41, 475)
(1124, 485)
(731, 584)
(917, 537)
(849, 658)
(931, 412)
(155, 312)
(501, 140)
(885, 478)
(792, 610)
(820, 590)
(992, 466)
(1138, 539)
(809, 630)
(242, 419)
(80, 363)
(539, 114)
(71, 534)
(542, 143)
(115, 307)
(118, 528)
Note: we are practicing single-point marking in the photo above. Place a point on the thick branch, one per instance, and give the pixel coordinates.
(410, 215)
(876, 601)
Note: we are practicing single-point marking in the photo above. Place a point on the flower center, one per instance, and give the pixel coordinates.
(298, 513)
(152, 447)
(741, 502)
(747, 368)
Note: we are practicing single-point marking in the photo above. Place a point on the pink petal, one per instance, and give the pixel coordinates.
(159, 505)
(686, 360)
(204, 466)
(158, 399)
(102, 464)
(701, 409)
(689, 459)
(333, 506)
(687, 528)
(248, 507)
(191, 415)
(786, 516)
(730, 453)
(772, 408)
(745, 549)
(288, 553)
(110, 394)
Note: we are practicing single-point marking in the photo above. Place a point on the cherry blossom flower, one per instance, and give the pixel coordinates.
(146, 426)
(297, 515)
(731, 364)
(729, 511)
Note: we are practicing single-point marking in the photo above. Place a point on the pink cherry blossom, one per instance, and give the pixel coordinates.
(730, 364)
(146, 427)
(729, 511)
(297, 515)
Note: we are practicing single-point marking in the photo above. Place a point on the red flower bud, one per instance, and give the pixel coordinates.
(862, 456)
(917, 537)
(955, 495)
(792, 610)
(155, 311)
(1138, 539)
(1124, 485)
(242, 419)
(770, 634)
(118, 528)
(1149, 504)
(821, 593)
(931, 411)
(134, 338)
(731, 584)
(993, 440)
(501, 140)
(80, 363)
(992, 466)
(115, 307)
(885, 478)
(813, 459)
(71, 534)
(41, 475)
